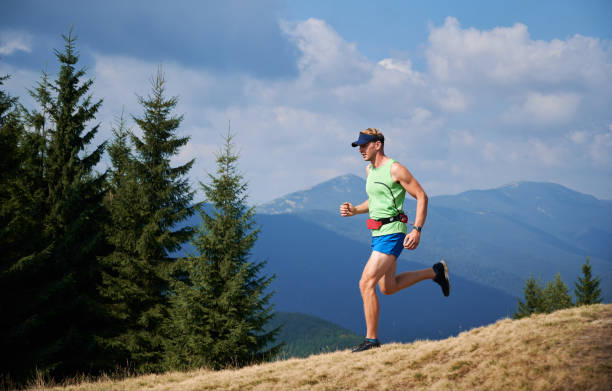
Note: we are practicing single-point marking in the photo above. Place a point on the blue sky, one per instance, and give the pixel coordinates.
(472, 94)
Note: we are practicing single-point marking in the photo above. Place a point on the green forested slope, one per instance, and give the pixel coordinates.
(305, 335)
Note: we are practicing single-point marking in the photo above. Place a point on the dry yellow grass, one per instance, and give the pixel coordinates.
(566, 350)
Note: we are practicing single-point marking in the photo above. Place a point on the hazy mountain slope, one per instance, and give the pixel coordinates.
(565, 350)
(325, 196)
(486, 236)
(498, 237)
(317, 272)
(568, 215)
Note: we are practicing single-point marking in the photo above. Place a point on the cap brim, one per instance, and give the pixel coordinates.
(364, 139)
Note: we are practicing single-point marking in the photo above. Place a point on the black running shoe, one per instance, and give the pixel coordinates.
(366, 345)
(441, 269)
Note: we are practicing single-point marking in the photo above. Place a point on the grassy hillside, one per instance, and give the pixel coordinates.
(566, 350)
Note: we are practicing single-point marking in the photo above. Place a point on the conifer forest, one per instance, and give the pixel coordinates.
(90, 282)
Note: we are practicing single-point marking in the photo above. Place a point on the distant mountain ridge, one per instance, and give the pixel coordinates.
(317, 272)
(493, 240)
(329, 194)
(498, 236)
(543, 205)
(319, 197)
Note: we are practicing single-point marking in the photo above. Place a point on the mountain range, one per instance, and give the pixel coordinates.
(493, 240)
(317, 272)
(498, 237)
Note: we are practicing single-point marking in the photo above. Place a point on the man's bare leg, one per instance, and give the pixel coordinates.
(380, 269)
(391, 283)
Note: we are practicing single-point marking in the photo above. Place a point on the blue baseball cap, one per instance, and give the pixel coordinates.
(365, 138)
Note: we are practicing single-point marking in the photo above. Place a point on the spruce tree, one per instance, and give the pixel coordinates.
(534, 299)
(120, 153)
(7, 102)
(148, 200)
(220, 307)
(556, 296)
(16, 234)
(11, 131)
(587, 289)
(120, 287)
(61, 323)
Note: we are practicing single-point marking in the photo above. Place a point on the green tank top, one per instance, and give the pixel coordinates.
(379, 186)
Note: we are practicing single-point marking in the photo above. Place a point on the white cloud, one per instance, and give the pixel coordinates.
(579, 137)
(399, 70)
(544, 109)
(546, 153)
(552, 108)
(462, 139)
(491, 107)
(456, 117)
(451, 99)
(455, 54)
(491, 151)
(324, 54)
(600, 149)
(420, 116)
(12, 41)
(507, 56)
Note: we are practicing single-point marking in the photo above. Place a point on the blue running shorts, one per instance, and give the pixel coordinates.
(389, 244)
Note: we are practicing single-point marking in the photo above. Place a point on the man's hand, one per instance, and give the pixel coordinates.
(347, 209)
(411, 241)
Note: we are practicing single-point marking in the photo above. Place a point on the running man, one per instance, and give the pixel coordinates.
(387, 184)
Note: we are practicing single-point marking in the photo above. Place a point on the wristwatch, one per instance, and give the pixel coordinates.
(417, 228)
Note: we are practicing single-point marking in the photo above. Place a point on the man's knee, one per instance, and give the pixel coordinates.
(386, 290)
(366, 283)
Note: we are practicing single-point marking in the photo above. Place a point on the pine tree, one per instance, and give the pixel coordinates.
(556, 296)
(120, 285)
(17, 233)
(148, 199)
(7, 102)
(534, 299)
(120, 153)
(587, 289)
(60, 324)
(11, 131)
(221, 305)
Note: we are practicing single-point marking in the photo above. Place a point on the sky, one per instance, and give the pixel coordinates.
(469, 95)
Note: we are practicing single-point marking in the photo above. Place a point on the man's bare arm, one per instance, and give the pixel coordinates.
(401, 175)
(347, 209)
